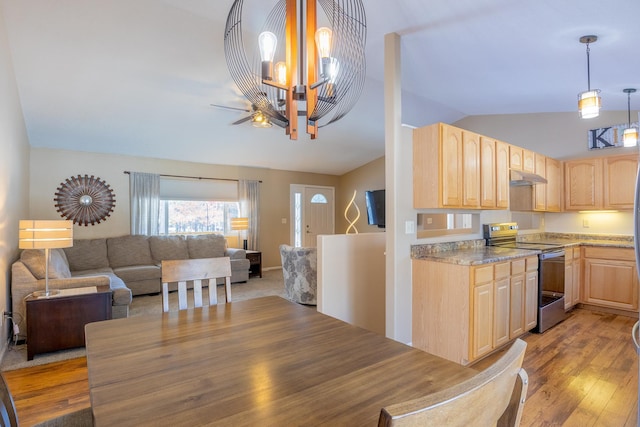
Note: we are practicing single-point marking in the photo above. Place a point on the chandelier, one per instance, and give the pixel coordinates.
(303, 64)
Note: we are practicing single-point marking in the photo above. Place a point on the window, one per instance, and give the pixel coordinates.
(319, 198)
(197, 216)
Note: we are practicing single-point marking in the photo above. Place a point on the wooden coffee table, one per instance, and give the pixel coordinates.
(57, 322)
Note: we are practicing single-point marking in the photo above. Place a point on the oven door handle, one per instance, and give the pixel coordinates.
(554, 254)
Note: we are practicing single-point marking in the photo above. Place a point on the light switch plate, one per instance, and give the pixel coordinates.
(409, 227)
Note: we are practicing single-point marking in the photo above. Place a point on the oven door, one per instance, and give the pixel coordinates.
(550, 290)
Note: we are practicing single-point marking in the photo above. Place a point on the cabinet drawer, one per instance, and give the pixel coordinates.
(483, 274)
(532, 263)
(623, 254)
(502, 269)
(517, 266)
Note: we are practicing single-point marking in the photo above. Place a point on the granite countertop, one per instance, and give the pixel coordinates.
(567, 243)
(476, 256)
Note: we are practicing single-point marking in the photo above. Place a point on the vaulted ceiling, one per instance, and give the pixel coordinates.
(139, 77)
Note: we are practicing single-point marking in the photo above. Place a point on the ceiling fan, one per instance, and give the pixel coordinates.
(257, 117)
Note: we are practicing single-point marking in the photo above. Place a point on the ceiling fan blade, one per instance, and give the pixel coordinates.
(246, 110)
(237, 122)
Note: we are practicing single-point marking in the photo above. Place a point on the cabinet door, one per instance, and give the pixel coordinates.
(568, 282)
(583, 184)
(611, 283)
(451, 166)
(515, 158)
(516, 322)
(487, 173)
(482, 341)
(540, 190)
(528, 161)
(577, 276)
(502, 304)
(531, 300)
(502, 175)
(619, 181)
(554, 185)
(471, 170)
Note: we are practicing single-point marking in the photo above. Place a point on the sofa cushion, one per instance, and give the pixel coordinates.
(128, 250)
(35, 262)
(168, 247)
(87, 254)
(206, 246)
(135, 273)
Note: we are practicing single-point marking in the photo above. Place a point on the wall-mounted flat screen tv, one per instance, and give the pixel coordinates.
(375, 207)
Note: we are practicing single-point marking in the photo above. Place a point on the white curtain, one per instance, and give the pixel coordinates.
(249, 197)
(144, 190)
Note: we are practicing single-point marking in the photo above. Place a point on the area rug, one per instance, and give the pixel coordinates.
(271, 283)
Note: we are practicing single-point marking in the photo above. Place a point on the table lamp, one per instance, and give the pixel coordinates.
(44, 234)
(240, 224)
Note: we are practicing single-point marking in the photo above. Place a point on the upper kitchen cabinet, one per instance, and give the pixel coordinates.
(554, 184)
(521, 159)
(600, 183)
(583, 184)
(446, 167)
(540, 190)
(494, 174)
(619, 181)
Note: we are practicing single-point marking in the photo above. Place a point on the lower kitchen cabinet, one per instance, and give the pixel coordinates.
(572, 276)
(463, 313)
(610, 278)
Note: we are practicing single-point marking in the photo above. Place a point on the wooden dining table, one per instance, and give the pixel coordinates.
(263, 361)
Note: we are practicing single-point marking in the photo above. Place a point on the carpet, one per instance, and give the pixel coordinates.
(271, 283)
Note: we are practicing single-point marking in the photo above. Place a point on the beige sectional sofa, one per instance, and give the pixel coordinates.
(130, 265)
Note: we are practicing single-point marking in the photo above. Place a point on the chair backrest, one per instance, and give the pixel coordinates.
(299, 271)
(196, 271)
(8, 414)
(494, 397)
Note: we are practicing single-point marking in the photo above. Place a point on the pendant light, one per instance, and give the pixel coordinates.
(589, 101)
(630, 135)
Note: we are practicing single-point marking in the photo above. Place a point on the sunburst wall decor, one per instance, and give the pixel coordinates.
(85, 200)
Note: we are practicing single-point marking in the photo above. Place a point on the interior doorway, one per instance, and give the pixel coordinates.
(312, 213)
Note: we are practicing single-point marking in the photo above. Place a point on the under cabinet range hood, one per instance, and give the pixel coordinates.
(519, 178)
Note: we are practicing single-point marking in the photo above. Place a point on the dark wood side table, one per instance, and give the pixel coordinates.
(255, 263)
(57, 322)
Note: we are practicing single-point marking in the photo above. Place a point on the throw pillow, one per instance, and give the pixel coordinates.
(35, 262)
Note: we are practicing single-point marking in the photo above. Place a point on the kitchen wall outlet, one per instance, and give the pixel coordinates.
(409, 227)
(284, 220)
(585, 223)
(429, 220)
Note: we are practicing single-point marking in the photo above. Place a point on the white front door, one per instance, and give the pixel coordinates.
(312, 213)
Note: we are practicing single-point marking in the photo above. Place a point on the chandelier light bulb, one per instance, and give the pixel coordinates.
(324, 37)
(281, 73)
(267, 41)
(630, 135)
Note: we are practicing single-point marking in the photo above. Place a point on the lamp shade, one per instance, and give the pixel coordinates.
(45, 234)
(630, 137)
(589, 104)
(240, 223)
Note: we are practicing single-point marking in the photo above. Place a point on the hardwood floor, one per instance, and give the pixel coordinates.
(583, 372)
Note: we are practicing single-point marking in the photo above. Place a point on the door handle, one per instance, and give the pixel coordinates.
(634, 334)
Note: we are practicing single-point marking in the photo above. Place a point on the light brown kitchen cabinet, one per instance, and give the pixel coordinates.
(619, 181)
(494, 174)
(572, 263)
(516, 159)
(502, 175)
(463, 312)
(610, 278)
(446, 167)
(599, 183)
(531, 293)
(518, 298)
(470, 170)
(554, 175)
(540, 190)
(528, 161)
(583, 184)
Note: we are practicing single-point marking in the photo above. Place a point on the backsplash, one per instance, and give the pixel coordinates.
(420, 250)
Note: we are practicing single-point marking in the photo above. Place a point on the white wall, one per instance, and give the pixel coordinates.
(351, 279)
(14, 172)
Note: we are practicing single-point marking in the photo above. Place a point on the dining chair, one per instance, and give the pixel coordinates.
(196, 271)
(493, 397)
